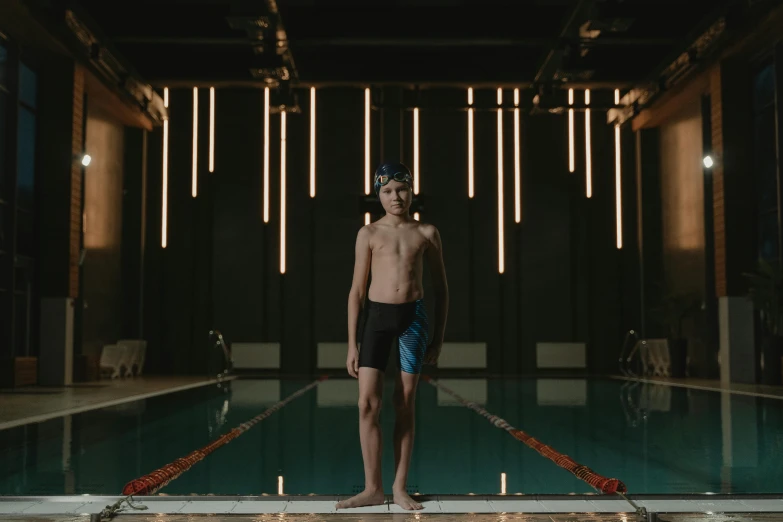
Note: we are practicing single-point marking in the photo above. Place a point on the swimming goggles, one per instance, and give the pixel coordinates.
(402, 177)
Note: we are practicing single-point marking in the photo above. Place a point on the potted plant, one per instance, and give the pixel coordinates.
(765, 290)
(671, 313)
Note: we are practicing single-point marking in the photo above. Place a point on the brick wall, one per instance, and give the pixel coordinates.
(76, 183)
(717, 186)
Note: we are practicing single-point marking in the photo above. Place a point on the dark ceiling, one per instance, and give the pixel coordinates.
(524, 42)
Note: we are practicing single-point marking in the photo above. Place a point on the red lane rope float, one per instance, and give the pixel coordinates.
(603, 484)
(153, 482)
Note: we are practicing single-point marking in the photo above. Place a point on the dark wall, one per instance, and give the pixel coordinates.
(176, 283)
(564, 277)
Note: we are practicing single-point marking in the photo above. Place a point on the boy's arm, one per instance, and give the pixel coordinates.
(441, 287)
(361, 271)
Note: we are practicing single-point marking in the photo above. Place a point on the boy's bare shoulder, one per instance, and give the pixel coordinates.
(429, 230)
(431, 235)
(366, 232)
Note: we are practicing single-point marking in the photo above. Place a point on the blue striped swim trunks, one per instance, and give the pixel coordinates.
(407, 322)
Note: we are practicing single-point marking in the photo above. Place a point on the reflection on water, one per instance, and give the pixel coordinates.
(655, 438)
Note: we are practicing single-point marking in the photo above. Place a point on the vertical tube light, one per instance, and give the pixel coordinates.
(266, 155)
(367, 141)
(588, 148)
(501, 233)
(416, 150)
(517, 173)
(282, 190)
(470, 142)
(194, 175)
(212, 129)
(571, 159)
(618, 177)
(312, 142)
(165, 182)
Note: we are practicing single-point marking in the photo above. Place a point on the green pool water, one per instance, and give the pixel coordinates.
(655, 438)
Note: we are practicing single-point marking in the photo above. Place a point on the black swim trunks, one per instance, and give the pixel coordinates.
(407, 322)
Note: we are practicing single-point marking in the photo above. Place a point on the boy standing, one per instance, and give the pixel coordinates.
(394, 249)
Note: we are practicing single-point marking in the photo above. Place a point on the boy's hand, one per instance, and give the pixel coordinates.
(352, 362)
(432, 353)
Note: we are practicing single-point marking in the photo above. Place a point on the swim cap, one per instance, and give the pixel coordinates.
(392, 171)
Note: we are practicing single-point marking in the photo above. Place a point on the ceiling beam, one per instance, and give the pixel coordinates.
(404, 42)
(165, 40)
(201, 81)
(575, 17)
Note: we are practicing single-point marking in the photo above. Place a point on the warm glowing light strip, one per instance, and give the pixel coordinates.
(266, 155)
(312, 142)
(212, 129)
(618, 177)
(367, 140)
(501, 234)
(502, 483)
(571, 159)
(470, 142)
(517, 173)
(282, 191)
(588, 147)
(194, 175)
(280, 485)
(416, 216)
(415, 150)
(618, 186)
(366, 218)
(165, 182)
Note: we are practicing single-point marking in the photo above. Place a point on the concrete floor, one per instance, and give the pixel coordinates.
(443, 506)
(35, 404)
(412, 517)
(755, 390)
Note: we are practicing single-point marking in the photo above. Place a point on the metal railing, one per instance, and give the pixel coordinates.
(216, 340)
(628, 350)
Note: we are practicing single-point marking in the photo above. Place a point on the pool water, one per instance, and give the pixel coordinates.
(655, 438)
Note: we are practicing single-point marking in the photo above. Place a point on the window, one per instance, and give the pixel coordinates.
(18, 129)
(25, 233)
(25, 210)
(3, 142)
(3, 116)
(28, 86)
(23, 302)
(25, 159)
(4, 240)
(765, 162)
(3, 64)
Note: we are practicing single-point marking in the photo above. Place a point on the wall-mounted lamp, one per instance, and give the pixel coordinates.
(84, 159)
(708, 163)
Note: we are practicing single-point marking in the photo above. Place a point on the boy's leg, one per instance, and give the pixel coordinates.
(413, 345)
(370, 397)
(404, 427)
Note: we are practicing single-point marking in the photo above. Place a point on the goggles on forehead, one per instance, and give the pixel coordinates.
(402, 177)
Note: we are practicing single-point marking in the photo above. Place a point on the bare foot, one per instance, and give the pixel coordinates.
(365, 498)
(402, 499)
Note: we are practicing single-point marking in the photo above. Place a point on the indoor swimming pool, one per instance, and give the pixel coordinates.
(655, 438)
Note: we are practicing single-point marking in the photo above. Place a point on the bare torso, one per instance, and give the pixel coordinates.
(397, 261)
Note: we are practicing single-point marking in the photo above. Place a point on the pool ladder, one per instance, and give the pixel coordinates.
(631, 347)
(216, 340)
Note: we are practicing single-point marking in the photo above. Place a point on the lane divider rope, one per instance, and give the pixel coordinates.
(599, 482)
(154, 481)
